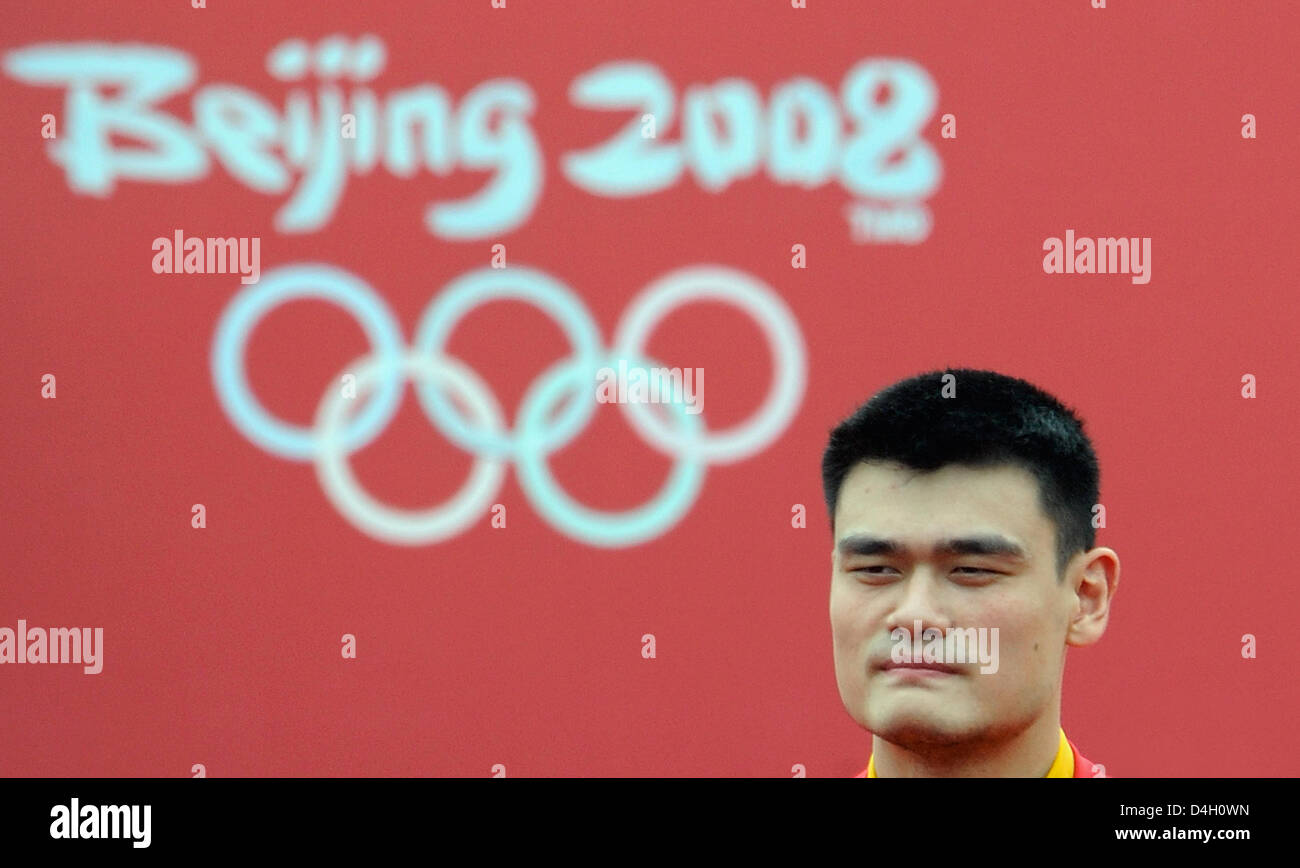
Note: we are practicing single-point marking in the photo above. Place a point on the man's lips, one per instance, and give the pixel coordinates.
(890, 665)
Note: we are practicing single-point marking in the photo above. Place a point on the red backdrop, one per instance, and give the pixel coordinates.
(521, 646)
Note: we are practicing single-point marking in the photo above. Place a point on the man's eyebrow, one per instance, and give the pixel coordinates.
(984, 544)
(988, 544)
(865, 544)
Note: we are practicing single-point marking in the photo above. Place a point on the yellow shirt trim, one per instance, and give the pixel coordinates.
(1062, 766)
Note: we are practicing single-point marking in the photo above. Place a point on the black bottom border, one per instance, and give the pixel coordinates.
(634, 817)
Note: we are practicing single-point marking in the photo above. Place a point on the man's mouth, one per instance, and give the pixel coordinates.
(919, 668)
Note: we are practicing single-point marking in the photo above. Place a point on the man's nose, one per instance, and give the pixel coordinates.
(921, 600)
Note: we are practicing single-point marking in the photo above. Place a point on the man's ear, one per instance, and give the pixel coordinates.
(1095, 580)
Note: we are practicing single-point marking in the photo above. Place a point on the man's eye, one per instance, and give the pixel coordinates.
(978, 572)
(873, 574)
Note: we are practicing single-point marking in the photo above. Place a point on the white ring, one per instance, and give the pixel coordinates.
(789, 365)
(401, 526)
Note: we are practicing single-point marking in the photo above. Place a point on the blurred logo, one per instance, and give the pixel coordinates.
(868, 138)
(538, 430)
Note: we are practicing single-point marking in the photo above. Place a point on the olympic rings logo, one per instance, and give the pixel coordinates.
(483, 432)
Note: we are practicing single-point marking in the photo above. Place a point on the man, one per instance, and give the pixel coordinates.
(961, 505)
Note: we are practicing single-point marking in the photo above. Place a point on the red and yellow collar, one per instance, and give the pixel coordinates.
(1062, 766)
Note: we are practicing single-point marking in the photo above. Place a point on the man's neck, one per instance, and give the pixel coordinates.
(1029, 754)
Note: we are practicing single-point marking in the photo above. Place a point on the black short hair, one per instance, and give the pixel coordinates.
(990, 419)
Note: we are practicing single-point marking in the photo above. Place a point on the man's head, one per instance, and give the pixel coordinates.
(962, 499)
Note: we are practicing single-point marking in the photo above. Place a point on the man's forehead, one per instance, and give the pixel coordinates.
(890, 500)
(867, 474)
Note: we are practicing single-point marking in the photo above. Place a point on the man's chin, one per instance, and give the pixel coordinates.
(918, 727)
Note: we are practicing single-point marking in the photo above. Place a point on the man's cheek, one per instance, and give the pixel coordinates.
(1019, 665)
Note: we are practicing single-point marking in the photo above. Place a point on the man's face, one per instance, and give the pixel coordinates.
(874, 593)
